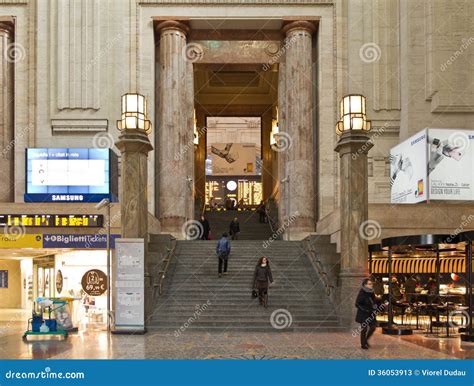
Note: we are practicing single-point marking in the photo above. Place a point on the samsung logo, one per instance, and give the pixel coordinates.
(418, 139)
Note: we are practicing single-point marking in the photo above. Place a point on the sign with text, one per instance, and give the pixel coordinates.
(408, 175)
(434, 164)
(52, 220)
(94, 282)
(129, 285)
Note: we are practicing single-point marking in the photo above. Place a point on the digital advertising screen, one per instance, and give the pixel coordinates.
(70, 175)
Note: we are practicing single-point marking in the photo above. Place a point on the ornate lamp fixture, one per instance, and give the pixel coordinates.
(134, 113)
(352, 115)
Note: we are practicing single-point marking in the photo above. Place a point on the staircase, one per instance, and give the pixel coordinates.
(250, 227)
(195, 298)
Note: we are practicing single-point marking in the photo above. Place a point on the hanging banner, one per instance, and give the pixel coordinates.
(451, 164)
(408, 175)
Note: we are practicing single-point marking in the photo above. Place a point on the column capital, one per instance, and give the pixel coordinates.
(6, 26)
(134, 142)
(299, 26)
(354, 142)
(173, 25)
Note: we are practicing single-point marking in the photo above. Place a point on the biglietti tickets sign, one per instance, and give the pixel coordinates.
(434, 164)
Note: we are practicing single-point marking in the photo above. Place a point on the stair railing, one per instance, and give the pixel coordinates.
(318, 267)
(170, 252)
(272, 221)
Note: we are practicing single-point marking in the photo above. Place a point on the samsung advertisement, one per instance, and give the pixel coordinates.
(70, 175)
(434, 164)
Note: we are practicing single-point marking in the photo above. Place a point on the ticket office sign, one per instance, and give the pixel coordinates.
(53, 220)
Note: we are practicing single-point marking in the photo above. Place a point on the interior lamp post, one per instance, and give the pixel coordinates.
(134, 146)
(353, 145)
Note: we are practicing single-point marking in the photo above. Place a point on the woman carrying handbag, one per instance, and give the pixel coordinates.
(262, 278)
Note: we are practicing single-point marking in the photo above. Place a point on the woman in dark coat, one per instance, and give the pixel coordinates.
(205, 228)
(262, 278)
(366, 304)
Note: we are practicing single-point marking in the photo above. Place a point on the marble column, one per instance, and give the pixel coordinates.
(267, 155)
(352, 148)
(200, 157)
(134, 147)
(7, 61)
(299, 127)
(176, 136)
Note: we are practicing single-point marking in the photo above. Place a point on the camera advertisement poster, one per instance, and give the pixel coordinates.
(451, 164)
(408, 177)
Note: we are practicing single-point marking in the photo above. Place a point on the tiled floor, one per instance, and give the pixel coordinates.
(196, 345)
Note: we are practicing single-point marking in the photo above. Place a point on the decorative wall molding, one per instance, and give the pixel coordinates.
(14, 2)
(68, 126)
(386, 30)
(449, 50)
(78, 56)
(238, 2)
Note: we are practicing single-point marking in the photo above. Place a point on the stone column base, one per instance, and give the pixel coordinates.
(176, 226)
(349, 287)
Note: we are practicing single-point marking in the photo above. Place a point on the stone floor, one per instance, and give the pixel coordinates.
(226, 345)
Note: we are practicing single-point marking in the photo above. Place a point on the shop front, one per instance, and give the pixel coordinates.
(53, 265)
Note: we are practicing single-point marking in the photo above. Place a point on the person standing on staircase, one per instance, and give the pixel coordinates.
(222, 252)
(234, 228)
(262, 278)
(262, 212)
(205, 228)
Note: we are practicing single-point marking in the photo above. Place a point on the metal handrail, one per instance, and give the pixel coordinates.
(319, 268)
(166, 264)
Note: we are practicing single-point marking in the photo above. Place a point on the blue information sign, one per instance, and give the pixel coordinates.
(95, 241)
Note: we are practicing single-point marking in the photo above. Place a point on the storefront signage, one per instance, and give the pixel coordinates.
(56, 240)
(94, 282)
(130, 285)
(16, 241)
(70, 175)
(52, 220)
(97, 241)
(434, 164)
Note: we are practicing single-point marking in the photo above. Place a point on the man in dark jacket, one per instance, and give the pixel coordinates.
(222, 252)
(234, 229)
(366, 312)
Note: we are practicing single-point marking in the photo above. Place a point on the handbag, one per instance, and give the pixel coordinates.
(254, 293)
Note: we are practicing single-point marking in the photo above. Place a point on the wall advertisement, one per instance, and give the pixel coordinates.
(408, 174)
(434, 164)
(233, 159)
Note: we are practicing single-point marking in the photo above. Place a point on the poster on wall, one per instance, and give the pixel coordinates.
(451, 164)
(233, 159)
(129, 285)
(408, 174)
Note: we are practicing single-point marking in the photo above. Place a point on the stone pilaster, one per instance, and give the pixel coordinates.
(7, 60)
(134, 147)
(175, 135)
(352, 149)
(299, 127)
